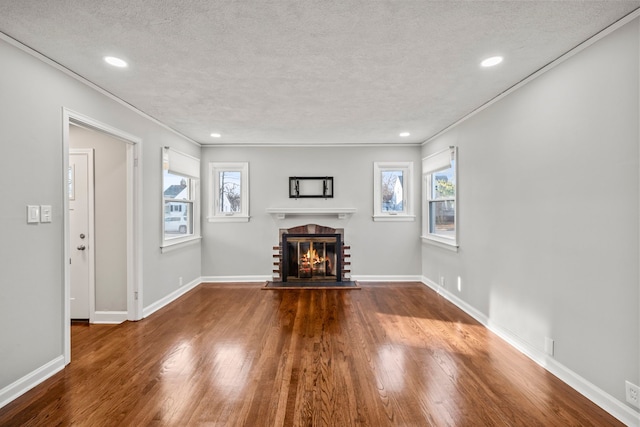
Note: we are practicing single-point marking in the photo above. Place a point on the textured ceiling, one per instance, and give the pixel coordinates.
(306, 72)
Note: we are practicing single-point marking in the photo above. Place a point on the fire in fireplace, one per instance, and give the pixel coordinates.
(311, 253)
(311, 257)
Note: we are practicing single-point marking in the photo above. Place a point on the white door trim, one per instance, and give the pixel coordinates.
(91, 230)
(134, 220)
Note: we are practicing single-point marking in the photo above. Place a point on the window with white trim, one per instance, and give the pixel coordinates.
(180, 197)
(440, 215)
(392, 187)
(229, 192)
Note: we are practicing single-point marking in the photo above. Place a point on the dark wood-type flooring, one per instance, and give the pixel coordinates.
(390, 354)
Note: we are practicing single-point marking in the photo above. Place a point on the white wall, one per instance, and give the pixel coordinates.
(31, 256)
(548, 213)
(377, 248)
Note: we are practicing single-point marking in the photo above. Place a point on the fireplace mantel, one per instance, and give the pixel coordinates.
(282, 213)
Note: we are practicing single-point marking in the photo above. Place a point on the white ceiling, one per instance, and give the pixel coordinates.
(306, 72)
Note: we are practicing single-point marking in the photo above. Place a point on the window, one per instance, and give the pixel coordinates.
(180, 198)
(392, 191)
(229, 198)
(440, 184)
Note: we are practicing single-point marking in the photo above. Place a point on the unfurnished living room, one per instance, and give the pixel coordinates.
(320, 213)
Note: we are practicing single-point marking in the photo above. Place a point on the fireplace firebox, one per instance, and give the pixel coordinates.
(311, 257)
(311, 253)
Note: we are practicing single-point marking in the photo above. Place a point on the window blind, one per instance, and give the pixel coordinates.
(180, 163)
(438, 161)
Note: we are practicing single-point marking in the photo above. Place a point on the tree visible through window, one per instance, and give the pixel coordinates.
(440, 195)
(442, 203)
(229, 189)
(392, 191)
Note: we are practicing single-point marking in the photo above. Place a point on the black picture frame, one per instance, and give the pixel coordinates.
(310, 187)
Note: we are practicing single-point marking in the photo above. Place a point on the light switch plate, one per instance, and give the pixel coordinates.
(33, 214)
(45, 213)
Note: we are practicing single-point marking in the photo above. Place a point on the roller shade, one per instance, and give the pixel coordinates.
(179, 163)
(438, 161)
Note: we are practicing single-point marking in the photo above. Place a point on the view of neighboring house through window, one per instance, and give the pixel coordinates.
(178, 205)
(439, 171)
(229, 192)
(180, 197)
(392, 191)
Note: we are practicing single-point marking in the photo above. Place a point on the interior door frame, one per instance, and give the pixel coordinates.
(91, 231)
(134, 217)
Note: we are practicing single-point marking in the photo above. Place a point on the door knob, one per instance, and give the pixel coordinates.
(81, 248)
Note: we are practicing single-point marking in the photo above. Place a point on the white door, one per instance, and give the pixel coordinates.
(81, 229)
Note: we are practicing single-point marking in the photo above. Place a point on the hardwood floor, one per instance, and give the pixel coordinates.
(234, 355)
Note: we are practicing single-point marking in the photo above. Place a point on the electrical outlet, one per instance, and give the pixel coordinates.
(633, 394)
(548, 346)
(180, 281)
(442, 281)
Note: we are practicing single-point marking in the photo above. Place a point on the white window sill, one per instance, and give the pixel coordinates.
(172, 245)
(228, 218)
(398, 217)
(441, 243)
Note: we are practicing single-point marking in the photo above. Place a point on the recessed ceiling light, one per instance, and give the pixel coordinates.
(490, 62)
(215, 135)
(116, 62)
(403, 134)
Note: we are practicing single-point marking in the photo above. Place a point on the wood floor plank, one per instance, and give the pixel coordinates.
(391, 354)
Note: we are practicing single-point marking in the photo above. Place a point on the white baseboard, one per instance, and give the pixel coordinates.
(147, 311)
(598, 396)
(471, 311)
(236, 279)
(29, 381)
(361, 278)
(110, 317)
(374, 278)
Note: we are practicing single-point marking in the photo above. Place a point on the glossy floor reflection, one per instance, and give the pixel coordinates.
(391, 354)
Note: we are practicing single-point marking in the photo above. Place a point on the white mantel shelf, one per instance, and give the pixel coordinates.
(340, 213)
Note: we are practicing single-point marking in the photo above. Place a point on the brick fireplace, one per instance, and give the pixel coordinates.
(311, 253)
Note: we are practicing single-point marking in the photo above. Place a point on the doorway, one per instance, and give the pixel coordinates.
(123, 301)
